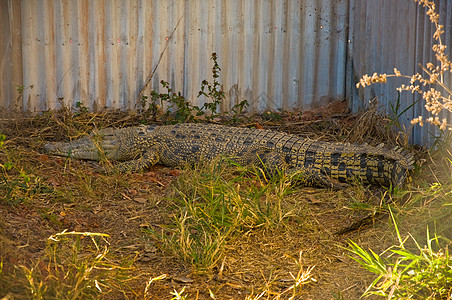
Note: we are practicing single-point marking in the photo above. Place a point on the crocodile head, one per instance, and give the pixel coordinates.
(114, 144)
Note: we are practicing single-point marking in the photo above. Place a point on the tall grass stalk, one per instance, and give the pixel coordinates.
(405, 274)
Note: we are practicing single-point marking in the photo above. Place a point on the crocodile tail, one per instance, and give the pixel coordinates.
(404, 164)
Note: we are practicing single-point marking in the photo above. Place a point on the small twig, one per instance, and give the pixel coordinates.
(158, 63)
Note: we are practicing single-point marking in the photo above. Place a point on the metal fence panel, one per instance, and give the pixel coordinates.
(276, 54)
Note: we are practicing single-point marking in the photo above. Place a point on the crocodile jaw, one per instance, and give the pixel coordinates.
(85, 148)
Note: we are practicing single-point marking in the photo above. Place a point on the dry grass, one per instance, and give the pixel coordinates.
(295, 253)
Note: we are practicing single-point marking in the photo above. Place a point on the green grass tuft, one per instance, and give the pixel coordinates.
(403, 273)
(214, 204)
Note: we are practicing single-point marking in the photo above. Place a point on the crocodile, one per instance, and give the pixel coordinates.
(324, 164)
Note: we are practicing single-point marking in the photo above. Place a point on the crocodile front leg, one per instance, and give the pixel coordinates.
(149, 158)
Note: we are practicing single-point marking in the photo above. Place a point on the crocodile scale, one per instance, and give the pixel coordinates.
(319, 163)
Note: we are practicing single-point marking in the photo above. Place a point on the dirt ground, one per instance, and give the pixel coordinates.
(72, 195)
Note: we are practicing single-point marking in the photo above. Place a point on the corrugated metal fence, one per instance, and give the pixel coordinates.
(292, 54)
(276, 54)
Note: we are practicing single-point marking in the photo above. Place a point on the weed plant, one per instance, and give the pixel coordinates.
(180, 110)
(213, 91)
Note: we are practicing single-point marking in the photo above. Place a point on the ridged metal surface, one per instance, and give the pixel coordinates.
(276, 54)
(387, 34)
(292, 54)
